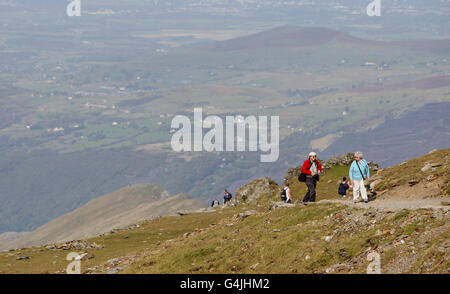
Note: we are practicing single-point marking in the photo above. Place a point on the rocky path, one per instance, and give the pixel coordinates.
(396, 204)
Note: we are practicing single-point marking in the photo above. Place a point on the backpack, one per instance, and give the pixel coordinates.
(302, 177)
(283, 195)
(342, 190)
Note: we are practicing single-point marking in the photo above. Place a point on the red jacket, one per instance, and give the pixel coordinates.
(307, 165)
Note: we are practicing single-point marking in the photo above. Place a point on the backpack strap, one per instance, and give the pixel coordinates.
(360, 170)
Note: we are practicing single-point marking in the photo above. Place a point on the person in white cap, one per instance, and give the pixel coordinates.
(311, 168)
(359, 172)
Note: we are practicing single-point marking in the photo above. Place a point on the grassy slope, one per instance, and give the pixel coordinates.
(280, 241)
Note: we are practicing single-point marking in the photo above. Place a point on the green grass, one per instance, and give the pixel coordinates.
(277, 242)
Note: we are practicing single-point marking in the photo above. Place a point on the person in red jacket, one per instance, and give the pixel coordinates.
(312, 168)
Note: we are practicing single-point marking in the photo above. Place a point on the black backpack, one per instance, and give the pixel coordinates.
(302, 177)
(283, 195)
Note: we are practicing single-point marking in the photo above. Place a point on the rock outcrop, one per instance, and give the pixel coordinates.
(256, 189)
(347, 159)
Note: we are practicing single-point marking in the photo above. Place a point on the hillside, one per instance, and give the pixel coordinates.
(406, 226)
(319, 238)
(119, 209)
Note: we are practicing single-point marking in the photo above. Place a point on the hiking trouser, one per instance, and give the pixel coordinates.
(310, 196)
(359, 187)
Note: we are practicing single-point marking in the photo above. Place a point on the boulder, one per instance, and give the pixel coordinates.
(22, 258)
(114, 270)
(86, 256)
(328, 238)
(246, 214)
(426, 167)
(373, 184)
(254, 190)
(253, 267)
(275, 205)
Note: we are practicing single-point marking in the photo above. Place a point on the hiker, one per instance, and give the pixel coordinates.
(343, 187)
(215, 202)
(359, 172)
(311, 168)
(227, 197)
(286, 194)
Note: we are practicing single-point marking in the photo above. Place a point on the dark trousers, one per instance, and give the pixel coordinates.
(310, 196)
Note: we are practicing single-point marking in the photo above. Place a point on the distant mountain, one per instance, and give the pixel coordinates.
(285, 36)
(293, 36)
(121, 208)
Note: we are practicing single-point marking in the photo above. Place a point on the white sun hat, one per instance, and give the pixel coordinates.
(312, 154)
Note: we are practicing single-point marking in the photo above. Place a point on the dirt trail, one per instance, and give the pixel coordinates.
(395, 203)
